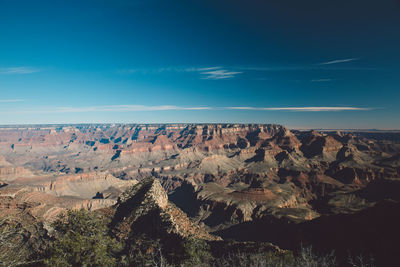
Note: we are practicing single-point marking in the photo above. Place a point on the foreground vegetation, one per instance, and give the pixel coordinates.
(83, 238)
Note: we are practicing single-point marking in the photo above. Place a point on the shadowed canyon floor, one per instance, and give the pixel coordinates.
(240, 182)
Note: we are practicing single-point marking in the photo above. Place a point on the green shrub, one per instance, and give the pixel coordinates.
(82, 240)
(196, 252)
(10, 255)
(21, 242)
(144, 251)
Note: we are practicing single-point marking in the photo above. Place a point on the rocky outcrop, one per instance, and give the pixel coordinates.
(316, 144)
(144, 209)
(231, 173)
(225, 177)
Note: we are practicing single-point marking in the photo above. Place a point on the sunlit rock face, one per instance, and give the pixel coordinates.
(228, 173)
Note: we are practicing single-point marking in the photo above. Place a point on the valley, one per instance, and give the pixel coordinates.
(242, 182)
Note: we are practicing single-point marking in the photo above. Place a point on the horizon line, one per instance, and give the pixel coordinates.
(196, 123)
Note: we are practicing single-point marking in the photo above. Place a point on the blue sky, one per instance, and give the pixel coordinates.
(306, 64)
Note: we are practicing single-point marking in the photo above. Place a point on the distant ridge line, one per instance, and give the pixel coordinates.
(55, 125)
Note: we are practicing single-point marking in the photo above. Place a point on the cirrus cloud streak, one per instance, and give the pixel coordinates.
(302, 108)
(11, 100)
(337, 61)
(18, 70)
(144, 108)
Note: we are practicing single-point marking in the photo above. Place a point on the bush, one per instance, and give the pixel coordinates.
(304, 258)
(144, 251)
(21, 242)
(308, 258)
(82, 240)
(361, 261)
(196, 252)
(10, 255)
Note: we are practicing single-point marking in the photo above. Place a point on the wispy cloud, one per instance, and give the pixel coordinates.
(317, 67)
(19, 70)
(11, 100)
(203, 69)
(167, 69)
(132, 108)
(301, 108)
(219, 74)
(207, 73)
(320, 80)
(229, 72)
(275, 68)
(120, 108)
(111, 108)
(215, 73)
(337, 61)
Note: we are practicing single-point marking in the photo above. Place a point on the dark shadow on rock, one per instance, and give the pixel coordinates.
(373, 231)
(260, 154)
(116, 155)
(184, 198)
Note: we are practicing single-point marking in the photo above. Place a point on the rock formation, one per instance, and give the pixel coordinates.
(144, 208)
(243, 171)
(221, 175)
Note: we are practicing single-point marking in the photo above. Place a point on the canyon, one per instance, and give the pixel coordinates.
(245, 182)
